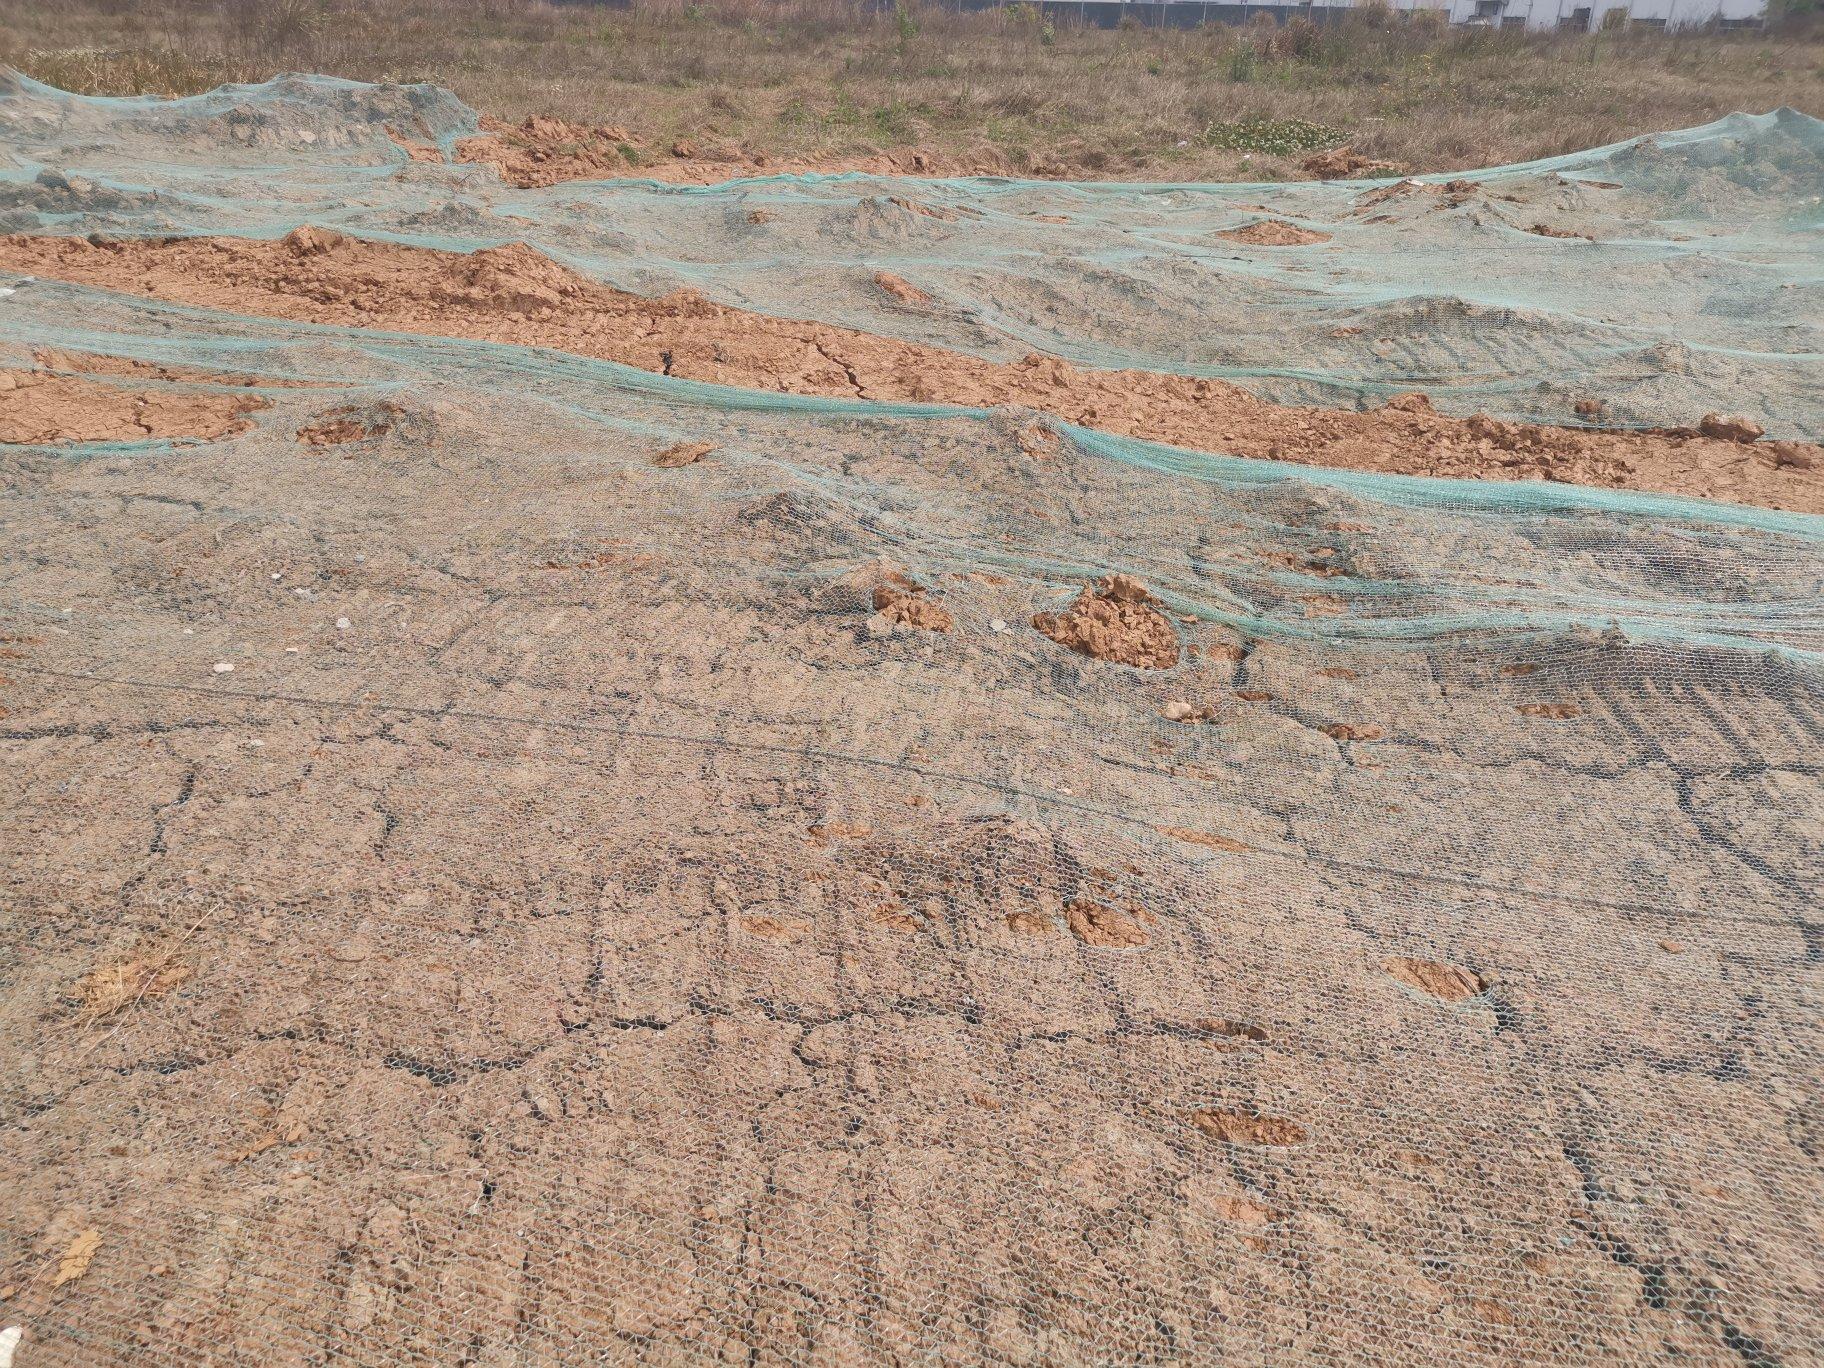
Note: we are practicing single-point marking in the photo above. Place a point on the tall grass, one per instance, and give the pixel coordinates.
(809, 76)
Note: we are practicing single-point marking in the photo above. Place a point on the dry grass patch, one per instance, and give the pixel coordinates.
(1000, 89)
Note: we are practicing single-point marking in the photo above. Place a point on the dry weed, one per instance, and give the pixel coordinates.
(999, 88)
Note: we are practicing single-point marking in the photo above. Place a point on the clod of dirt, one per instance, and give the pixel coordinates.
(1409, 403)
(1546, 230)
(1103, 927)
(351, 424)
(761, 216)
(903, 601)
(1730, 429)
(1554, 710)
(1354, 731)
(1273, 233)
(1116, 622)
(308, 241)
(1446, 981)
(1030, 924)
(682, 454)
(1177, 710)
(1588, 408)
(1247, 1128)
(1037, 441)
(1340, 163)
(902, 290)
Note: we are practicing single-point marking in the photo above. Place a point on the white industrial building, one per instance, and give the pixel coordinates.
(1529, 14)
(1591, 14)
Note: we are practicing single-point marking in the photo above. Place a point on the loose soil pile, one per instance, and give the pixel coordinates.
(516, 295)
(1116, 620)
(1274, 233)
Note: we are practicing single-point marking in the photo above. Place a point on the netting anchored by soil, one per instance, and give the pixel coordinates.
(517, 859)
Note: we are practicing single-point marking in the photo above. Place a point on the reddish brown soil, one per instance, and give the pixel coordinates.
(515, 295)
(542, 151)
(1340, 163)
(1240, 1128)
(902, 290)
(43, 406)
(1103, 927)
(1446, 981)
(681, 454)
(342, 426)
(902, 601)
(1273, 233)
(1115, 621)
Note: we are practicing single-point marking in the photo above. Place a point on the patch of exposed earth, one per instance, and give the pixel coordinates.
(51, 406)
(515, 295)
(541, 151)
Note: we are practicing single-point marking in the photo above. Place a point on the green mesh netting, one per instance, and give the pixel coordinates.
(1703, 285)
(576, 927)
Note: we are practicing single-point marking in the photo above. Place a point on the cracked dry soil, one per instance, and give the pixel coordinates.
(571, 930)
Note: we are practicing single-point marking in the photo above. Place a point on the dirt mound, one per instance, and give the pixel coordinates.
(351, 423)
(1103, 927)
(900, 600)
(1115, 621)
(1447, 981)
(542, 151)
(514, 294)
(1340, 163)
(680, 454)
(1273, 233)
(1725, 429)
(44, 408)
(902, 290)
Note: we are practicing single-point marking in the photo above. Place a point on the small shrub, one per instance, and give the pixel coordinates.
(904, 25)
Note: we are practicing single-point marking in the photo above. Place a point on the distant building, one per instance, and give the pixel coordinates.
(1592, 14)
(1576, 15)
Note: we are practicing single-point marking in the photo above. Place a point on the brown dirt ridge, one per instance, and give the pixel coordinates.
(513, 294)
(541, 151)
(46, 407)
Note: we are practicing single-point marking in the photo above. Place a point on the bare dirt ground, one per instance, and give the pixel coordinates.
(37, 406)
(542, 151)
(488, 882)
(514, 861)
(514, 294)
